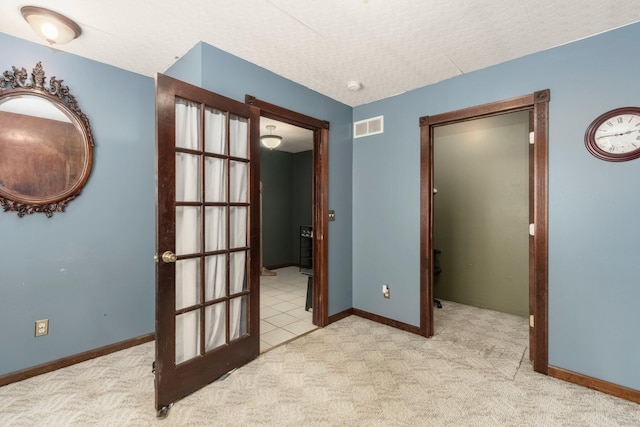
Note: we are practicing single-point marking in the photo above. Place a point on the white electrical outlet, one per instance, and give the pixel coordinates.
(42, 327)
(386, 291)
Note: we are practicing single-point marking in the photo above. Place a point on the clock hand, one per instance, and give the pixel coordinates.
(618, 134)
(607, 136)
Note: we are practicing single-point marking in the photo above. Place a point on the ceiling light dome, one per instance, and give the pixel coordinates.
(271, 141)
(50, 25)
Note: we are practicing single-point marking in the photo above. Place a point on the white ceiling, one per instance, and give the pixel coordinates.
(391, 46)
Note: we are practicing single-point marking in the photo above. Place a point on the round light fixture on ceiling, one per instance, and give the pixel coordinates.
(271, 141)
(354, 85)
(50, 25)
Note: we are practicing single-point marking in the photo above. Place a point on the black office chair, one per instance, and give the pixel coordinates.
(436, 271)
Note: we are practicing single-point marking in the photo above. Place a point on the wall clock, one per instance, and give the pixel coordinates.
(615, 135)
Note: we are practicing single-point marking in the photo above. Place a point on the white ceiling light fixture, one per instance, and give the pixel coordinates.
(51, 26)
(271, 141)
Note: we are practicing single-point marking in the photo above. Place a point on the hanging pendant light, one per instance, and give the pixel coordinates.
(271, 141)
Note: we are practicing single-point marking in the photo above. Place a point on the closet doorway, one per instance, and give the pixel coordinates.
(481, 212)
(538, 105)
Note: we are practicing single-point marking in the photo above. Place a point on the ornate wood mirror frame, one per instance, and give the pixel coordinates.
(46, 145)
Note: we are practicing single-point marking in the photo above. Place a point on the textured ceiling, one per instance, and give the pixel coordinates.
(391, 46)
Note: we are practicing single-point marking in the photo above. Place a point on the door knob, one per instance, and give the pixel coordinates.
(169, 257)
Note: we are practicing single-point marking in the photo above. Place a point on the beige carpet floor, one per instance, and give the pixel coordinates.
(473, 372)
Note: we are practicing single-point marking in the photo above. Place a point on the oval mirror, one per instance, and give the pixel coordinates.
(46, 146)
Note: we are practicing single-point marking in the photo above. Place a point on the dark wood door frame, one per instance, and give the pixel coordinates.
(320, 128)
(538, 102)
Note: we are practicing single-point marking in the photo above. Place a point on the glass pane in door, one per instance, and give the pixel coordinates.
(238, 227)
(238, 136)
(215, 228)
(237, 272)
(238, 317)
(187, 281)
(215, 175)
(216, 277)
(187, 177)
(187, 124)
(238, 177)
(188, 228)
(187, 336)
(215, 131)
(215, 331)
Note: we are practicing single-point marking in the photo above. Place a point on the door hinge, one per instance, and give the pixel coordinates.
(531, 321)
(532, 138)
(532, 230)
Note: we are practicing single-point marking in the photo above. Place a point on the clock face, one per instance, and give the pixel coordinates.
(615, 135)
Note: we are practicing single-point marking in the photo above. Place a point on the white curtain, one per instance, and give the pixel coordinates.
(239, 144)
(188, 224)
(187, 230)
(215, 227)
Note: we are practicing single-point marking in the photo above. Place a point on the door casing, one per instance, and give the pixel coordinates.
(320, 128)
(538, 102)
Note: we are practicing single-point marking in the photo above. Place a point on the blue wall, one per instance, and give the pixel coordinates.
(89, 270)
(594, 232)
(233, 77)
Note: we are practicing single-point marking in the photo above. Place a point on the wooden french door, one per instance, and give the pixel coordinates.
(207, 274)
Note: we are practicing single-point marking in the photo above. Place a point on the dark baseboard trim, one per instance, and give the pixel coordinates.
(72, 360)
(595, 384)
(389, 322)
(277, 266)
(339, 316)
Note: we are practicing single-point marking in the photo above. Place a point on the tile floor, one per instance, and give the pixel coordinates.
(282, 313)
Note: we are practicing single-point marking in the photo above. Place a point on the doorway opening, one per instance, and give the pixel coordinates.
(286, 178)
(319, 196)
(537, 104)
(481, 215)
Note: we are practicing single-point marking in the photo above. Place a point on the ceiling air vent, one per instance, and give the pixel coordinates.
(368, 127)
